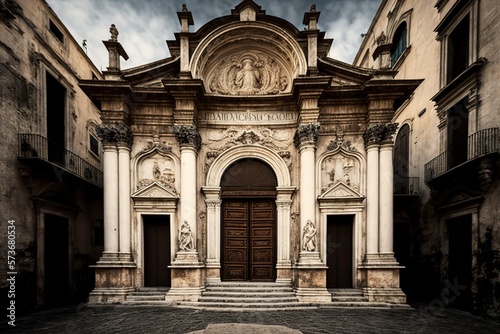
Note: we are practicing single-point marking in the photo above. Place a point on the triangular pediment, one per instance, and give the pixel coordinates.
(340, 190)
(155, 190)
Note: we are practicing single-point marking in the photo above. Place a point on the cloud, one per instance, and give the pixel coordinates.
(144, 26)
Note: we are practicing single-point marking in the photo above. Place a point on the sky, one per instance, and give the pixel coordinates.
(145, 25)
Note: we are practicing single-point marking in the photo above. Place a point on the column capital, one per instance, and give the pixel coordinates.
(306, 134)
(188, 135)
(114, 134)
(379, 133)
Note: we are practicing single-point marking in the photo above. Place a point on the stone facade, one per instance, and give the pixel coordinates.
(246, 90)
(448, 133)
(50, 159)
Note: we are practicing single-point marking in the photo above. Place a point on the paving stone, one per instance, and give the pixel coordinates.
(172, 320)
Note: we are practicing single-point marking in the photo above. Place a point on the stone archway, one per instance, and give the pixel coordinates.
(284, 191)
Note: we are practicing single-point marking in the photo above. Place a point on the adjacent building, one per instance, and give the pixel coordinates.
(248, 155)
(446, 145)
(50, 159)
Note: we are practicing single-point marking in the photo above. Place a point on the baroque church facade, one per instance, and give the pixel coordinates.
(248, 155)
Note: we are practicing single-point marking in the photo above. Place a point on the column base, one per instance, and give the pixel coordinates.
(114, 280)
(310, 284)
(379, 279)
(385, 295)
(188, 283)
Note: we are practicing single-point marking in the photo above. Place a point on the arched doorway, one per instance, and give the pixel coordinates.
(248, 221)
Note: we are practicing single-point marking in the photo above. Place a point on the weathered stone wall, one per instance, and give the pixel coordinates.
(27, 50)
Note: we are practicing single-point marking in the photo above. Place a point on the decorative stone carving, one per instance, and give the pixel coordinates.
(485, 174)
(309, 237)
(155, 144)
(248, 74)
(222, 140)
(379, 133)
(306, 134)
(187, 134)
(381, 39)
(294, 215)
(340, 168)
(286, 155)
(186, 241)
(114, 133)
(157, 169)
(114, 33)
(340, 143)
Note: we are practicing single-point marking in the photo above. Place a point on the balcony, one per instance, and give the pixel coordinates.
(479, 144)
(406, 186)
(36, 147)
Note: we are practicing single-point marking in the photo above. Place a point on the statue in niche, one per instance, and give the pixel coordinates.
(156, 171)
(247, 78)
(332, 175)
(309, 237)
(186, 241)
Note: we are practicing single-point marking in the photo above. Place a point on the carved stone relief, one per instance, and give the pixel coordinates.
(159, 169)
(340, 168)
(248, 74)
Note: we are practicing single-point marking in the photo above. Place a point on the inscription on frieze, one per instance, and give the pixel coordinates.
(250, 116)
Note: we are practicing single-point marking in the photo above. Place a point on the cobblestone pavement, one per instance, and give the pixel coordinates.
(158, 319)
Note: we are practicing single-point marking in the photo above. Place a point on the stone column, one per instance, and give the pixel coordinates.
(114, 272)
(372, 205)
(311, 278)
(386, 195)
(111, 205)
(213, 203)
(187, 275)
(283, 205)
(124, 200)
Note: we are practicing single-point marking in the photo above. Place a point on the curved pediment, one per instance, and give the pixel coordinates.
(248, 58)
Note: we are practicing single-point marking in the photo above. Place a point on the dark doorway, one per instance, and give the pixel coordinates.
(56, 260)
(339, 251)
(460, 262)
(401, 161)
(56, 119)
(458, 132)
(156, 250)
(248, 247)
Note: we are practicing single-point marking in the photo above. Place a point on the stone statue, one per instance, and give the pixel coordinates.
(309, 237)
(186, 242)
(114, 33)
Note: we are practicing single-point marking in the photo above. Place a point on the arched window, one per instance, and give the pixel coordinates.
(402, 160)
(398, 43)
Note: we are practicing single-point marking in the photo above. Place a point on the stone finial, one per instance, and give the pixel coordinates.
(313, 8)
(184, 8)
(114, 33)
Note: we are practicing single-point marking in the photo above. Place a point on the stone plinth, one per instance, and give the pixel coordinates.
(379, 279)
(113, 282)
(188, 278)
(310, 279)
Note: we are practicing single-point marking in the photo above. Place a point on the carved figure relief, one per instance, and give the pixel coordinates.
(309, 237)
(159, 169)
(340, 168)
(186, 241)
(248, 74)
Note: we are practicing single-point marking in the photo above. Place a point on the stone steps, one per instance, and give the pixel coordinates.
(150, 296)
(247, 295)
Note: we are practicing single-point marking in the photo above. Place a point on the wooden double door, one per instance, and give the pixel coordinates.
(248, 245)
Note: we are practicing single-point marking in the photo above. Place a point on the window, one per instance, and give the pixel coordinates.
(458, 49)
(398, 43)
(56, 32)
(458, 131)
(93, 144)
(402, 161)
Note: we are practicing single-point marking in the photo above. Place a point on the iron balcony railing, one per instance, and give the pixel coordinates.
(406, 185)
(478, 144)
(33, 146)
